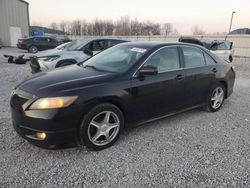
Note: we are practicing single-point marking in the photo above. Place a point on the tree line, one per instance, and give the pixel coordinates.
(123, 26)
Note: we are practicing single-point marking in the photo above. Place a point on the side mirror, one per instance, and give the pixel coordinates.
(147, 71)
(88, 52)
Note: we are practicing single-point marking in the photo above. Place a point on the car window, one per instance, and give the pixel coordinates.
(221, 46)
(77, 45)
(164, 60)
(112, 43)
(52, 40)
(97, 45)
(116, 59)
(193, 57)
(42, 39)
(209, 60)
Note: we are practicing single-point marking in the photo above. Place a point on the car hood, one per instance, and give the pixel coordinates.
(48, 52)
(63, 79)
(56, 52)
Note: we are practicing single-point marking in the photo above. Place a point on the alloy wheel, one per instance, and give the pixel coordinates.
(103, 128)
(217, 98)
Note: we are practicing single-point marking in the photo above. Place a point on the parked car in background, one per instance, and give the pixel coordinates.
(75, 52)
(129, 84)
(35, 44)
(54, 50)
(222, 48)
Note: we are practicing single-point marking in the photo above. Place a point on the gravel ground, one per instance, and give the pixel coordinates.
(192, 149)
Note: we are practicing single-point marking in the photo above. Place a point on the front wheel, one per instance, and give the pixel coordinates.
(216, 98)
(101, 126)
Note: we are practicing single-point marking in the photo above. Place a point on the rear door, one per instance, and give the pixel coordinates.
(199, 75)
(159, 94)
(41, 43)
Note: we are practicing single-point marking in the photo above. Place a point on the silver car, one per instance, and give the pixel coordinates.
(222, 48)
(74, 52)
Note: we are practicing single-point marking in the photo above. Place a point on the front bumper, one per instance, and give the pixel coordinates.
(53, 140)
(60, 126)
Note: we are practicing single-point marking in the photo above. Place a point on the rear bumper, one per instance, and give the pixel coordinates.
(22, 46)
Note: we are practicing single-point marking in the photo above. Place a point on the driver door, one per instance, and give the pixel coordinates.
(156, 95)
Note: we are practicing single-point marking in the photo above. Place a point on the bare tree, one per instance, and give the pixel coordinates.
(196, 30)
(167, 28)
(175, 32)
(123, 26)
(53, 25)
(135, 27)
(63, 25)
(76, 27)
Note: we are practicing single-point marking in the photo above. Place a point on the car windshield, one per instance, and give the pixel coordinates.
(116, 59)
(76, 45)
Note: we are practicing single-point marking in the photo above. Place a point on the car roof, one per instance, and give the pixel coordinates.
(155, 44)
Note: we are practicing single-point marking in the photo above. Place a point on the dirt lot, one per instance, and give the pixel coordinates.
(193, 149)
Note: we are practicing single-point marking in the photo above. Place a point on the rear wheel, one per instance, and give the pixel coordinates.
(101, 126)
(216, 98)
(33, 49)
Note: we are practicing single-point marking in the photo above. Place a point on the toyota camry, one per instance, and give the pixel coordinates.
(90, 103)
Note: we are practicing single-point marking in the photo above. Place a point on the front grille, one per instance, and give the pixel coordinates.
(19, 98)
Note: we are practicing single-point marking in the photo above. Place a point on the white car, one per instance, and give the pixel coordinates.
(222, 48)
(74, 52)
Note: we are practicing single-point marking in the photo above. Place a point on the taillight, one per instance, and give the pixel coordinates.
(20, 41)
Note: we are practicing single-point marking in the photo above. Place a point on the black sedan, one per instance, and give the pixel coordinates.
(35, 44)
(130, 84)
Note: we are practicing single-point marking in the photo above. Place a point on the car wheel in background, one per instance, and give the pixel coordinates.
(216, 98)
(101, 126)
(33, 49)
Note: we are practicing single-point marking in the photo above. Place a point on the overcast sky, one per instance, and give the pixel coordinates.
(210, 15)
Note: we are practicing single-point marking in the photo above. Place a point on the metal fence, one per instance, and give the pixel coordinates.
(241, 42)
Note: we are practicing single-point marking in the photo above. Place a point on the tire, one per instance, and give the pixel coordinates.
(216, 98)
(98, 132)
(33, 49)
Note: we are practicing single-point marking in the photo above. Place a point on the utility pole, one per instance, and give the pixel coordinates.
(230, 27)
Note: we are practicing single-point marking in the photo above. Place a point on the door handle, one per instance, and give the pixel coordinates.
(214, 70)
(179, 77)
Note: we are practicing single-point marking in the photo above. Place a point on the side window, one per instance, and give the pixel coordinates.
(97, 46)
(112, 43)
(51, 40)
(193, 57)
(41, 39)
(164, 60)
(209, 60)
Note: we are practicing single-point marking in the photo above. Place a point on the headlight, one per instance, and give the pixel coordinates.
(52, 103)
(49, 58)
